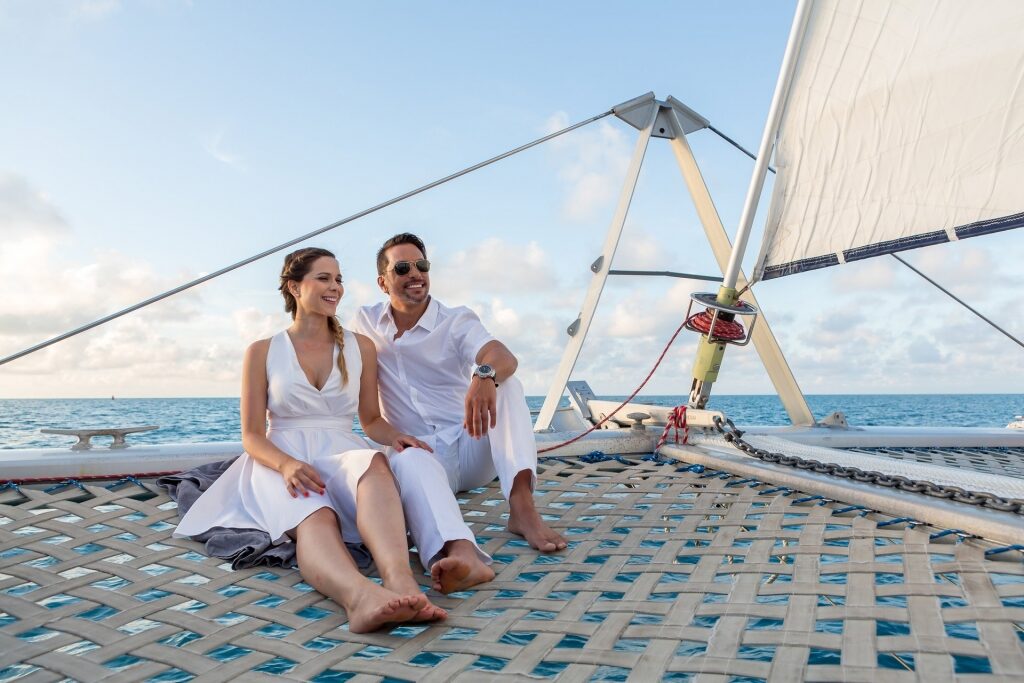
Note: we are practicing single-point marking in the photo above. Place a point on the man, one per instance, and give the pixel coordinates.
(478, 423)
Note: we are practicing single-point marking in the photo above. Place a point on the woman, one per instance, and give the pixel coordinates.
(308, 476)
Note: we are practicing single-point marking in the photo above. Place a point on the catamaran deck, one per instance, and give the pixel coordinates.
(673, 573)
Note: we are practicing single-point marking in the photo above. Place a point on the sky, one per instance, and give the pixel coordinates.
(146, 143)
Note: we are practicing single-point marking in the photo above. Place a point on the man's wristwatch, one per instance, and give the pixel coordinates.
(486, 372)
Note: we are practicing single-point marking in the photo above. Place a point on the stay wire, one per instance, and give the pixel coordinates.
(958, 300)
(292, 242)
(736, 145)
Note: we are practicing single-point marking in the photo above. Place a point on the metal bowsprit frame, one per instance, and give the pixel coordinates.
(671, 120)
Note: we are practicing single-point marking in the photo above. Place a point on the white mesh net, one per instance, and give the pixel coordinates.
(1007, 487)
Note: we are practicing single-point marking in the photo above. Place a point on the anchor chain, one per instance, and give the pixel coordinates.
(734, 435)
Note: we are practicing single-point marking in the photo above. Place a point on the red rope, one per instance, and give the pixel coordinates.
(677, 421)
(88, 477)
(631, 396)
(729, 330)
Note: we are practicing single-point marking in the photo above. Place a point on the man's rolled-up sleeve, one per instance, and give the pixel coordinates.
(469, 335)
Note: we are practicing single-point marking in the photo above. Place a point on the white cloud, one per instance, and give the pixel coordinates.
(875, 274)
(493, 266)
(128, 357)
(506, 321)
(94, 9)
(214, 146)
(592, 164)
(26, 213)
(630, 320)
(49, 294)
(253, 323)
(359, 293)
(922, 351)
(54, 296)
(968, 269)
(839, 322)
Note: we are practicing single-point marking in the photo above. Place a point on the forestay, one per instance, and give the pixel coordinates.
(903, 127)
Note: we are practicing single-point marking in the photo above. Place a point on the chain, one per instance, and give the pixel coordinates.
(734, 435)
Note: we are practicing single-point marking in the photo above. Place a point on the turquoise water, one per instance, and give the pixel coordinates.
(217, 419)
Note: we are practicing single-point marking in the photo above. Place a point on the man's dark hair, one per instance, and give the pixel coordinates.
(400, 238)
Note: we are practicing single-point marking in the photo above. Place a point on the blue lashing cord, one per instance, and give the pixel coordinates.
(129, 479)
(65, 484)
(10, 485)
(910, 521)
(590, 458)
(808, 499)
(944, 533)
(777, 489)
(1004, 549)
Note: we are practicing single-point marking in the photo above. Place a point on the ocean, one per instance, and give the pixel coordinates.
(194, 420)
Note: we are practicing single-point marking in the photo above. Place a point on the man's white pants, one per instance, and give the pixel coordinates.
(428, 481)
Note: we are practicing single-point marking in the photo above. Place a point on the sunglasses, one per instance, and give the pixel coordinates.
(403, 267)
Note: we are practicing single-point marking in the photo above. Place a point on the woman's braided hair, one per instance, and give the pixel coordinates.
(296, 266)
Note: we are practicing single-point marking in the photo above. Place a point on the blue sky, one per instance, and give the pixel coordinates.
(145, 143)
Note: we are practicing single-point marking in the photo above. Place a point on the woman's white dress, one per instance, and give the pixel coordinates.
(311, 425)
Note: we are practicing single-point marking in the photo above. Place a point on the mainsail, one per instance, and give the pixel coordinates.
(903, 127)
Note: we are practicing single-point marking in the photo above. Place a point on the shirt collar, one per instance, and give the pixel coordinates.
(427, 321)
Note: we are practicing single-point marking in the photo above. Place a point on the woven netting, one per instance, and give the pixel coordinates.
(672, 574)
(1004, 461)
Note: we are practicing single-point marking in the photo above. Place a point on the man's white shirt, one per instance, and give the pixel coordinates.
(424, 374)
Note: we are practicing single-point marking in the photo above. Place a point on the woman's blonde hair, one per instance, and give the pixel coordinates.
(296, 266)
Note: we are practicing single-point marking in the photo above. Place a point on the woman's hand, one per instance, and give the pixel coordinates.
(403, 441)
(300, 478)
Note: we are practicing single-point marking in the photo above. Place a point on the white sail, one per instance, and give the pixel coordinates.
(903, 127)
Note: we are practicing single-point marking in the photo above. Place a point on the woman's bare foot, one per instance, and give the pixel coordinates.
(451, 574)
(407, 585)
(377, 606)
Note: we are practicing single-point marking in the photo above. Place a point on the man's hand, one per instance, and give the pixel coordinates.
(403, 441)
(481, 407)
(300, 478)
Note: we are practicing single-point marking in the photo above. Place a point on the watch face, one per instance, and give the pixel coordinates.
(484, 371)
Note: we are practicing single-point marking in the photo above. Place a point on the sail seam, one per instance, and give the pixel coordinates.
(976, 229)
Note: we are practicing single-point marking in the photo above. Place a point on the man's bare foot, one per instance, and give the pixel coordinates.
(407, 585)
(451, 574)
(529, 525)
(523, 518)
(377, 606)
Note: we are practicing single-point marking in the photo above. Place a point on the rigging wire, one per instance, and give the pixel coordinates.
(289, 243)
(736, 145)
(958, 300)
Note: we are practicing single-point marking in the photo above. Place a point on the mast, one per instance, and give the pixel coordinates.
(710, 353)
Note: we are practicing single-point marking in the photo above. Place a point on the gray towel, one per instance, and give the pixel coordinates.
(243, 547)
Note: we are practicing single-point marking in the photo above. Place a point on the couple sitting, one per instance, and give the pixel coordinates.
(309, 477)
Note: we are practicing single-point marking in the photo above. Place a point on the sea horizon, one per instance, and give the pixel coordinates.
(211, 419)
